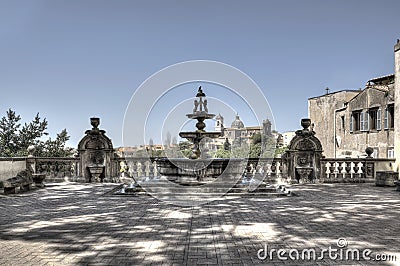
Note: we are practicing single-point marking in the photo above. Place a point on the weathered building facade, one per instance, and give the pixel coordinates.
(239, 131)
(348, 121)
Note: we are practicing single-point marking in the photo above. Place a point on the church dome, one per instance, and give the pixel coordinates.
(237, 123)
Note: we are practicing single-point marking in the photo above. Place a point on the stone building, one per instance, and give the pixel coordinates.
(287, 137)
(348, 121)
(238, 130)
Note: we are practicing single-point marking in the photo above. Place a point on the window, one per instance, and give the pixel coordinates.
(385, 119)
(374, 119)
(359, 121)
(343, 122)
(351, 123)
(379, 119)
(391, 115)
(364, 121)
(356, 121)
(375, 154)
(390, 153)
(388, 120)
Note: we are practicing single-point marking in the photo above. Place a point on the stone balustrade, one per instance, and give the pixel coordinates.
(353, 169)
(56, 169)
(271, 169)
(136, 167)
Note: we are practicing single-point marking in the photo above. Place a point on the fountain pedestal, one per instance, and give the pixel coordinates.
(304, 173)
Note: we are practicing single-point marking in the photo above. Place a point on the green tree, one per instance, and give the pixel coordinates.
(281, 150)
(9, 126)
(55, 148)
(256, 138)
(222, 153)
(262, 146)
(185, 147)
(15, 140)
(227, 145)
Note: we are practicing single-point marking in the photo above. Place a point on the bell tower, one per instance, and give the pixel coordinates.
(219, 123)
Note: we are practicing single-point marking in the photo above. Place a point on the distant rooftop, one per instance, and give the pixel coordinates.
(382, 80)
(330, 93)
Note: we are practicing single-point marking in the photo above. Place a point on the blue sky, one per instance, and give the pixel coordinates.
(70, 60)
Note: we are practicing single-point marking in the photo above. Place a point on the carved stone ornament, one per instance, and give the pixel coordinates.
(305, 144)
(302, 161)
(97, 157)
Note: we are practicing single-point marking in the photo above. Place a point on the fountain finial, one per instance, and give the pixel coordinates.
(200, 93)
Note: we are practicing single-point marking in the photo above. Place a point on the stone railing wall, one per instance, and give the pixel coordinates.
(353, 169)
(136, 167)
(272, 169)
(56, 169)
(268, 167)
(10, 167)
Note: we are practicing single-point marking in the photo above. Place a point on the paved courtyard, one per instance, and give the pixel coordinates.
(76, 224)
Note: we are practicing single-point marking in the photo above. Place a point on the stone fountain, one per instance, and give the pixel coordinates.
(199, 178)
(198, 169)
(96, 154)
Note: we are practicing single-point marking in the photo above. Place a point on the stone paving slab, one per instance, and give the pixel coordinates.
(74, 224)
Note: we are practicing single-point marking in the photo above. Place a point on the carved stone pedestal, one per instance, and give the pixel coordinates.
(95, 173)
(304, 173)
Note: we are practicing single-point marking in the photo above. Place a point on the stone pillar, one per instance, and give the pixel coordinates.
(397, 105)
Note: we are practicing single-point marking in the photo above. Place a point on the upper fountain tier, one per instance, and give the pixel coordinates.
(200, 110)
(200, 113)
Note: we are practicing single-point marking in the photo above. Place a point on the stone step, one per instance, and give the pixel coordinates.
(176, 193)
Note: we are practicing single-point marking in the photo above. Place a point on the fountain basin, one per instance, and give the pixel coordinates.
(95, 173)
(200, 171)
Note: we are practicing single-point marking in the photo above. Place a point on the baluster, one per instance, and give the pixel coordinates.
(68, 170)
(361, 171)
(61, 170)
(273, 169)
(52, 171)
(147, 168)
(247, 172)
(76, 169)
(122, 169)
(326, 170)
(279, 169)
(133, 169)
(332, 168)
(267, 169)
(45, 169)
(143, 168)
(154, 169)
(340, 169)
(347, 174)
(355, 168)
(151, 169)
(259, 169)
